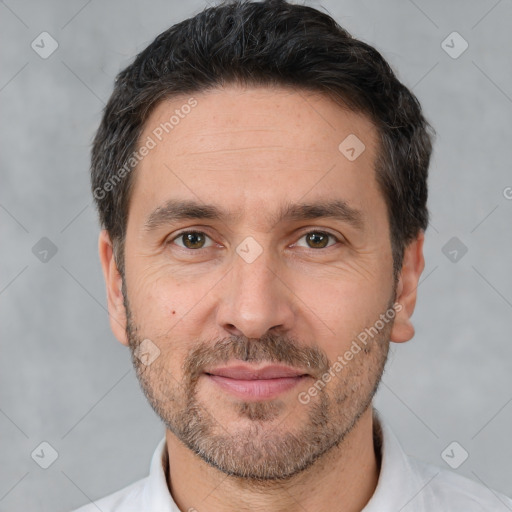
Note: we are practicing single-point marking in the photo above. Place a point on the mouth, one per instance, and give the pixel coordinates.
(251, 383)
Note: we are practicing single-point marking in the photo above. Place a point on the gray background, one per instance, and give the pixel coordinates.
(64, 379)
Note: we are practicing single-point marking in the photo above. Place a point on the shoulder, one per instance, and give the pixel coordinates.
(128, 499)
(452, 491)
(410, 485)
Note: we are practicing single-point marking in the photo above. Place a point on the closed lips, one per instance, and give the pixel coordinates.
(248, 373)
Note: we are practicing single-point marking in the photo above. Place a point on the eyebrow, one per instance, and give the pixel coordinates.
(175, 210)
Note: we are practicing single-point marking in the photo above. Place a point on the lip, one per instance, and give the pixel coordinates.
(248, 372)
(250, 383)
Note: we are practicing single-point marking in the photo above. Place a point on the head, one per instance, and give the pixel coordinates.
(261, 181)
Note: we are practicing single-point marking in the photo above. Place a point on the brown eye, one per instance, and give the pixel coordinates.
(192, 240)
(318, 239)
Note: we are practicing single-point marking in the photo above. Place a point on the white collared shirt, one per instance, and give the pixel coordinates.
(405, 485)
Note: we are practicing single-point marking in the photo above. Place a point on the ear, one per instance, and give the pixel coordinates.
(412, 267)
(113, 281)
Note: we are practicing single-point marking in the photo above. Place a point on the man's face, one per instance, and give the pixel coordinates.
(267, 283)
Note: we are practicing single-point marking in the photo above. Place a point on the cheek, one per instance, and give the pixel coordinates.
(158, 311)
(165, 310)
(342, 308)
(155, 298)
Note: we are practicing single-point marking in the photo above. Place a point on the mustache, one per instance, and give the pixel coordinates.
(270, 348)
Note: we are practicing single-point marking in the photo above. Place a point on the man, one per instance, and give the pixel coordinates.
(260, 176)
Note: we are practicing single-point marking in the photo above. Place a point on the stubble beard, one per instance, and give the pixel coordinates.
(263, 449)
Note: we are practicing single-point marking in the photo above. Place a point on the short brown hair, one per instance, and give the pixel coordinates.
(266, 43)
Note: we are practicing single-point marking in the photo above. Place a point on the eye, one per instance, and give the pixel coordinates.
(192, 240)
(318, 239)
(196, 240)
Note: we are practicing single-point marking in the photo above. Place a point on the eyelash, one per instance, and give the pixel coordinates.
(316, 231)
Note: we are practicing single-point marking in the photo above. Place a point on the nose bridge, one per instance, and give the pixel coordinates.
(254, 299)
(252, 274)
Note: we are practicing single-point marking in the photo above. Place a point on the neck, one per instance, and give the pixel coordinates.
(342, 480)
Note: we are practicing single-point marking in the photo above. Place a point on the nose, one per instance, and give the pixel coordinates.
(255, 298)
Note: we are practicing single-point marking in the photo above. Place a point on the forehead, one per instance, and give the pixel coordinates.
(242, 146)
(285, 120)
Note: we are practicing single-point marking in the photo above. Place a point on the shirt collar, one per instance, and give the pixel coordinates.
(156, 492)
(398, 481)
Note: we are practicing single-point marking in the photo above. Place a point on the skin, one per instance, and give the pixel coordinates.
(252, 150)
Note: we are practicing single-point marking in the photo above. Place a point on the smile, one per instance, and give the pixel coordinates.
(249, 383)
